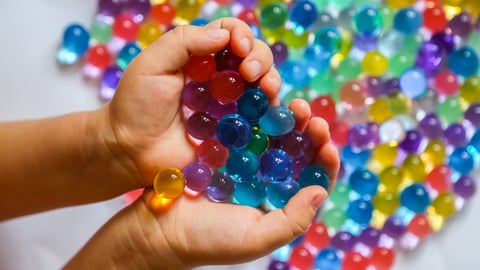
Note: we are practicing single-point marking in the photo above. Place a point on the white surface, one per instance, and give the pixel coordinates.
(34, 86)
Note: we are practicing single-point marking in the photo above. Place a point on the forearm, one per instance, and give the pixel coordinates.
(56, 162)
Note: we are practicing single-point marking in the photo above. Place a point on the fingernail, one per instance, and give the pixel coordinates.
(275, 81)
(217, 33)
(317, 200)
(254, 68)
(245, 44)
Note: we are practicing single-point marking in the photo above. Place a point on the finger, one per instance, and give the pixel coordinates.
(280, 227)
(172, 51)
(241, 36)
(270, 83)
(257, 62)
(327, 157)
(302, 112)
(318, 130)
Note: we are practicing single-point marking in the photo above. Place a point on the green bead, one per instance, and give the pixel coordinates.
(474, 41)
(221, 12)
(349, 68)
(320, 4)
(296, 93)
(334, 218)
(412, 42)
(259, 142)
(274, 15)
(341, 4)
(450, 110)
(100, 31)
(294, 40)
(401, 62)
(387, 14)
(322, 83)
(340, 195)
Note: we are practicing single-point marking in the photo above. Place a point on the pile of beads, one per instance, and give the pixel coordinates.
(398, 82)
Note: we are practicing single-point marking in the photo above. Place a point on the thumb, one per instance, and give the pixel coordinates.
(172, 51)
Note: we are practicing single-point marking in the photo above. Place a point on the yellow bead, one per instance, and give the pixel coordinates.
(391, 178)
(397, 4)
(379, 110)
(188, 10)
(398, 103)
(386, 202)
(148, 33)
(385, 153)
(378, 219)
(470, 90)
(414, 168)
(444, 205)
(295, 40)
(374, 63)
(436, 221)
(434, 154)
(169, 183)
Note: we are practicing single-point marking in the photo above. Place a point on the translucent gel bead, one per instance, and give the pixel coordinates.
(234, 131)
(353, 95)
(445, 40)
(374, 86)
(218, 110)
(221, 12)
(364, 182)
(280, 52)
(470, 89)
(461, 24)
(450, 110)
(368, 21)
(411, 142)
(324, 106)
(394, 227)
(277, 121)
(374, 63)
(197, 176)
(444, 205)
(125, 27)
(465, 187)
(369, 237)
(314, 175)
(446, 83)
(242, 165)
(360, 211)
(430, 57)
(365, 43)
(74, 44)
(343, 241)
(461, 160)
(303, 14)
(293, 143)
(328, 259)
(391, 177)
(434, 153)
(440, 178)
(251, 193)
(391, 131)
(276, 165)
(249, 16)
(201, 125)
(110, 79)
(455, 135)
(415, 197)
(385, 153)
(391, 86)
(397, 4)
(354, 261)
(407, 21)
(340, 195)
(382, 258)
(109, 7)
(212, 153)
(434, 18)
(98, 56)
(354, 156)
(386, 202)
(301, 258)
(100, 31)
(413, 83)
(317, 235)
(414, 168)
(399, 103)
(273, 15)
(472, 114)
(137, 8)
(329, 39)
(196, 96)
(200, 68)
(226, 86)
(126, 54)
(339, 132)
(464, 62)
(294, 73)
(334, 217)
(169, 183)
(221, 188)
(163, 13)
(227, 60)
(431, 127)
(325, 18)
(187, 10)
(278, 265)
(147, 34)
(279, 193)
(400, 62)
(419, 226)
(349, 68)
(252, 104)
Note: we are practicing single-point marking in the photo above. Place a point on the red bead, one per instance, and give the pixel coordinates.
(125, 27)
(317, 235)
(419, 226)
(324, 106)
(434, 18)
(227, 86)
(224, 2)
(163, 13)
(212, 153)
(446, 83)
(201, 125)
(354, 261)
(339, 132)
(249, 16)
(201, 68)
(301, 258)
(98, 56)
(439, 178)
(382, 258)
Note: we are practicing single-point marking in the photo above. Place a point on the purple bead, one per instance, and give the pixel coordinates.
(429, 57)
(373, 131)
(292, 143)
(110, 79)
(343, 241)
(298, 166)
(110, 7)
(280, 52)
(374, 86)
(201, 125)
(137, 7)
(472, 114)
(394, 227)
(431, 127)
(461, 24)
(445, 40)
(278, 265)
(369, 236)
(465, 187)
(218, 110)
(221, 188)
(197, 176)
(247, 3)
(411, 142)
(455, 135)
(391, 86)
(359, 136)
(196, 96)
(227, 60)
(366, 43)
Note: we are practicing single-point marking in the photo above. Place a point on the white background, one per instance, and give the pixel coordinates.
(33, 86)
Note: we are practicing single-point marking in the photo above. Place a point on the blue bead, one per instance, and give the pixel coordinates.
(415, 197)
(295, 73)
(199, 22)
(364, 182)
(464, 61)
(461, 160)
(328, 259)
(276, 165)
(355, 156)
(251, 193)
(413, 82)
(317, 58)
(368, 21)
(407, 21)
(314, 175)
(252, 104)
(360, 211)
(279, 193)
(303, 14)
(75, 44)
(242, 165)
(329, 39)
(277, 121)
(126, 55)
(234, 131)
(475, 140)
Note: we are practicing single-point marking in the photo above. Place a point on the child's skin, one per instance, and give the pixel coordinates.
(92, 156)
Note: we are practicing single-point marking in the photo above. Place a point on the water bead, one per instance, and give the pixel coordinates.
(74, 44)
(212, 153)
(196, 96)
(317, 235)
(397, 4)
(398, 103)
(343, 241)
(303, 14)
(163, 13)
(197, 176)
(280, 52)
(242, 165)
(324, 106)
(249, 16)
(431, 126)
(386, 202)
(314, 175)
(446, 83)
(354, 156)
(364, 182)
(328, 259)
(461, 160)
(369, 237)
(353, 94)
(470, 89)
(100, 31)
(251, 193)
(360, 211)
(390, 86)
(252, 104)
(340, 5)
(400, 62)
(201, 125)
(465, 187)
(109, 7)
(334, 217)
(345, 18)
(329, 39)
(461, 25)
(463, 61)
(219, 110)
(394, 227)
(413, 82)
(294, 73)
(430, 57)
(414, 167)
(411, 142)
(407, 21)
(382, 258)
(374, 63)
(137, 8)
(325, 18)
(434, 18)
(359, 136)
(385, 153)
(350, 68)
(419, 226)
(279, 193)
(127, 54)
(200, 68)
(278, 120)
(278, 265)
(434, 153)
(390, 178)
(226, 86)
(276, 165)
(227, 60)
(340, 195)
(445, 40)
(354, 261)
(125, 27)
(109, 82)
(169, 183)
(415, 197)
(339, 132)
(187, 10)
(221, 187)
(368, 21)
(440, 178)
(444, 204)
(98, 56)
(273, 15)
(365, 43)
(391, 131)
(301, 258)
(472, 114)
(221, 12)
(294, 143)
(455, 135)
